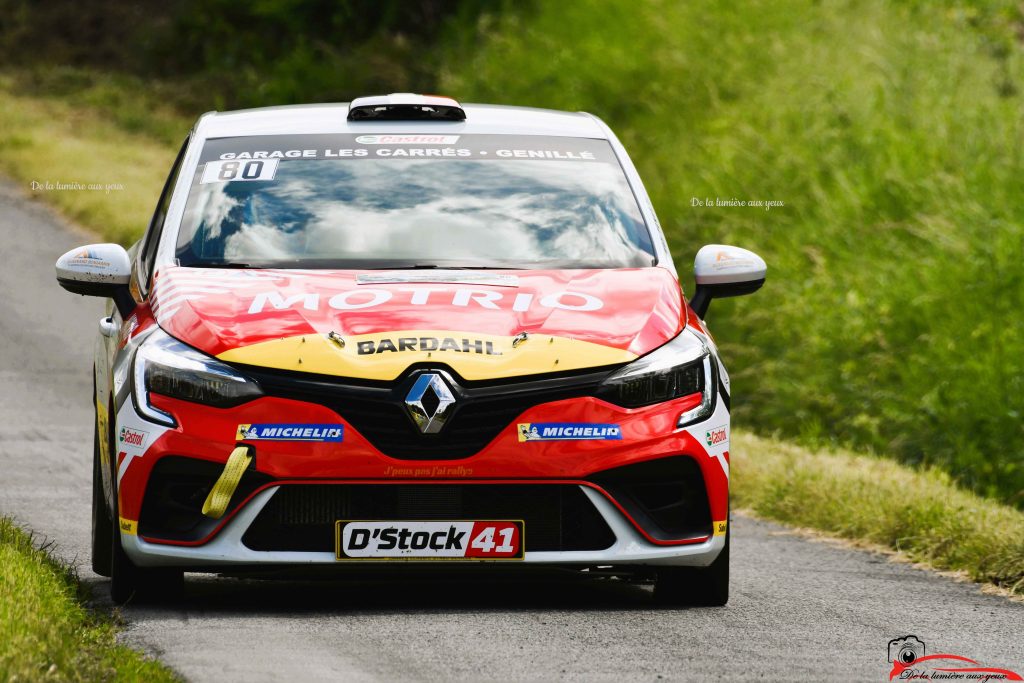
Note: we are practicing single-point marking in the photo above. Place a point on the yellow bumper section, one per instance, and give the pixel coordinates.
(220, 495)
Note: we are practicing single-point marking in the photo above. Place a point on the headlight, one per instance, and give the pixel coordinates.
(167, 367)
(682, 367)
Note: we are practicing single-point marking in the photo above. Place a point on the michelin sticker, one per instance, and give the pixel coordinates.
(290, 432)
(568, 431)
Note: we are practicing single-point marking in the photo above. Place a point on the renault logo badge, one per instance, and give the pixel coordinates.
(430, 402)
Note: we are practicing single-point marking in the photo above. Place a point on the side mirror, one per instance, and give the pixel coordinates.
(98, 270)
(722, 271)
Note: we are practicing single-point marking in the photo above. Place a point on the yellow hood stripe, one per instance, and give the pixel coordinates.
(385, 356)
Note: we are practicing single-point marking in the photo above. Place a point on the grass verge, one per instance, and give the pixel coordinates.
(46, 634)
(80, 159)
(920, 512)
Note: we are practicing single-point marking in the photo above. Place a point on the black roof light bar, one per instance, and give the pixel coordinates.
(405, 106)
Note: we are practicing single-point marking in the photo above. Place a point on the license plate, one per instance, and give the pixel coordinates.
(434, 540)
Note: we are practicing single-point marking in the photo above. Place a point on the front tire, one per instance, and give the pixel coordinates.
(695, 586)
(123, 580)
(146, 584)
(127, 582)
(101, 524)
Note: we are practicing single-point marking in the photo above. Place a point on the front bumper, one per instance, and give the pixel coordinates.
(227, 548)
(203, 434)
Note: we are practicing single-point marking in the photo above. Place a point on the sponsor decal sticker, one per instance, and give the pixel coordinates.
(368, 297)
(721, 527)
(385, 345)
(132, 438)
(128, 526)
(717, 436)
(910, 661)
(408, 145)
(88, 258)
(290, 432)
(725, 260)
(434, 540)
(568, 431)
(235, 170)
(407, 139)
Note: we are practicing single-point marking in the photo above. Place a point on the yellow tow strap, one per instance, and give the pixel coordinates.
(220, 495)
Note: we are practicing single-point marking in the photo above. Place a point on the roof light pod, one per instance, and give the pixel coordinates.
(404, 106)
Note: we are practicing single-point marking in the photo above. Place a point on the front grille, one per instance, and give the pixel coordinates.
(301, 517)
(377, 409)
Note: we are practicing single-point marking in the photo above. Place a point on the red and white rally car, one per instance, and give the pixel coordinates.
(407, 329)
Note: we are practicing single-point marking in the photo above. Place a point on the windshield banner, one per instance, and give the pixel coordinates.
(407, 146)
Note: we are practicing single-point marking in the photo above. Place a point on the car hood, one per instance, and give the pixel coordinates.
(375, 324)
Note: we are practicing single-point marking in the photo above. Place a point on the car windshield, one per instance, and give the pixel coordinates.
(412, 201)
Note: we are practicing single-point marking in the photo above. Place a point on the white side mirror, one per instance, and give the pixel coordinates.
(723, 271)
(98, 270)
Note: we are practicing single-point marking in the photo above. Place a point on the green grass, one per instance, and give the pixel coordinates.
(892, 131)
(921, 513)
(73, 137)
(46, 634)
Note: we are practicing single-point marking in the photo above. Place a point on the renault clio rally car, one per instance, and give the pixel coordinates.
(407, 330)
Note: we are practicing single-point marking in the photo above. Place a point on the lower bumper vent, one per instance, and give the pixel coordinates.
(301, 517)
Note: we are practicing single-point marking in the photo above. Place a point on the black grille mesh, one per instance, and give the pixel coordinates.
(666, 496)
(301, 517)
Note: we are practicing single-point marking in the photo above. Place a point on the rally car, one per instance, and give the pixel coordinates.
(403, 330)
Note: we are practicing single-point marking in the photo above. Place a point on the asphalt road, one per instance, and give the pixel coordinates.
(799, 610)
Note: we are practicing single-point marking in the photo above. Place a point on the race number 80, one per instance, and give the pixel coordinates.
(233, 170)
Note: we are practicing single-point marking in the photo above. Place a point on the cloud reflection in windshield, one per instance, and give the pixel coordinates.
(514, 213)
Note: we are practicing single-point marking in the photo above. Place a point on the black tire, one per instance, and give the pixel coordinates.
(141, 584)
(695, 586)
(128, 582)
(101, 524)
(123, 579)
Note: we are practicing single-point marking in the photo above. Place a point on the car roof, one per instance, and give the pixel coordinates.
(333, 118)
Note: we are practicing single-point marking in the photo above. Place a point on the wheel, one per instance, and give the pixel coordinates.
(695, 586)
(141, 584)
(101, 524)
(128, 582)
(123, 580)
